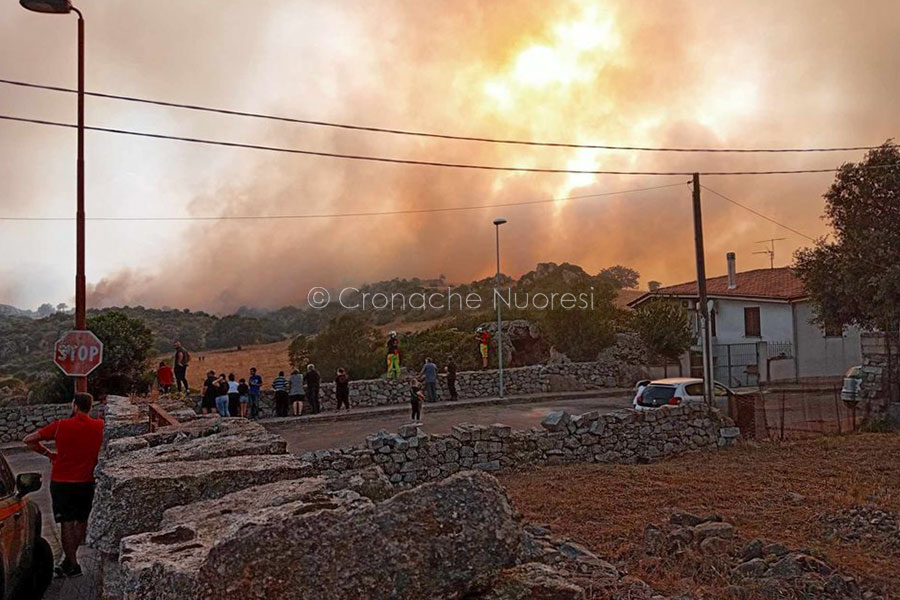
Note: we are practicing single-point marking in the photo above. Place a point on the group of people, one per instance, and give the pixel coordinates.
(298, 393)
(231, 397)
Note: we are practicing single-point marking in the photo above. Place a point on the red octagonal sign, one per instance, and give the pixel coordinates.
(78, 353)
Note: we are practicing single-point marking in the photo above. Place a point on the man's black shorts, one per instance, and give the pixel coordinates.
(71, 501)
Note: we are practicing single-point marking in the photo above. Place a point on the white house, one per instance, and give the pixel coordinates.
(762, 329)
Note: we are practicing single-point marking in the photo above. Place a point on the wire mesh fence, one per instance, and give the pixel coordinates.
(795, 411)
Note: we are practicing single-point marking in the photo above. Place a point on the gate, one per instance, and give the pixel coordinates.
(736, 365)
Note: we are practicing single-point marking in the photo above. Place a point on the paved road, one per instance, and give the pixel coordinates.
(302, 437)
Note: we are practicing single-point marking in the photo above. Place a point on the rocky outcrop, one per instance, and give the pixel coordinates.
(132, 495)
(431, 542)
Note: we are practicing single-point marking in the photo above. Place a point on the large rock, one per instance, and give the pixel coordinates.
(210, 447)
(131, 496)
(429, 542)
(196, 428)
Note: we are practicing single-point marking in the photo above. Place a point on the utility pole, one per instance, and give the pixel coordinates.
(702, 305)
(770, 251)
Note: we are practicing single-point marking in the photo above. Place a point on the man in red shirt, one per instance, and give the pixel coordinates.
(78, 440)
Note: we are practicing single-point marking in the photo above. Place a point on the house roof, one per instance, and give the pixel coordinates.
(780, 284)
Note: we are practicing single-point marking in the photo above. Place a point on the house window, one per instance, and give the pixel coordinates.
(751, 322)
(712, 323)
(833, 330)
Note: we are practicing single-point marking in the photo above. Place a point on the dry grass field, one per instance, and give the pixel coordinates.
(267, 358)
(754, 487)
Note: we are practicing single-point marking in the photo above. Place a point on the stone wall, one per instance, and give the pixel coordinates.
(535, 379)
(18, 421)
(171, 503)
(874, 390)
(411, 457)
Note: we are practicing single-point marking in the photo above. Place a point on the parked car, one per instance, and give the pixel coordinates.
(675, 391)
(25, 556)
(852, 381)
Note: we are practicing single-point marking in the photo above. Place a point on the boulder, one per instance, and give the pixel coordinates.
(432, 541)
(131, 496)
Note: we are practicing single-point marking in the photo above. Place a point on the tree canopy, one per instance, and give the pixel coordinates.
(664, 327)
(854, 277)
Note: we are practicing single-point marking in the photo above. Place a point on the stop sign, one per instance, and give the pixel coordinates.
(78, 353)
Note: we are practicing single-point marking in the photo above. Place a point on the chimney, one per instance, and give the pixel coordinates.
(654, 285)
(732, 275)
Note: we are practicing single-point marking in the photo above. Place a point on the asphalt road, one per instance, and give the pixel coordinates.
(302, 437)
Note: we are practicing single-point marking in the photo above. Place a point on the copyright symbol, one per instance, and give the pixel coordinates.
(318, 297)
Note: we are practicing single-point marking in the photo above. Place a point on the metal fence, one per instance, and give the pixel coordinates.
(794, 411)
(736, 365)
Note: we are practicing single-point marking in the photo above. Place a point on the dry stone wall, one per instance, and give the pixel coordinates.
(186, 511)
(411, 456)
(18, 421)
(535, 379)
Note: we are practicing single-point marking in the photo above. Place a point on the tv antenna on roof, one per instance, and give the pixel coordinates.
(770, 251)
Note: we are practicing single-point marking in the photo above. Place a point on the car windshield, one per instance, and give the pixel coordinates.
(657, 394)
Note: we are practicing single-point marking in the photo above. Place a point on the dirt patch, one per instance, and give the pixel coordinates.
(772, 491)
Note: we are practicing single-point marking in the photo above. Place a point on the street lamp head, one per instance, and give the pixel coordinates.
(499, 221)
(57, 7)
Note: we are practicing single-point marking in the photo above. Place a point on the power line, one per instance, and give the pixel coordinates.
(425, 163)
(424, 134)
(757, 213)
(341, 215)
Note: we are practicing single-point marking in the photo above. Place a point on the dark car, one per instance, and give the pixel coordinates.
(27, 560)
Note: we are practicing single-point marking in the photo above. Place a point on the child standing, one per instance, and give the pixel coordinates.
(416, 397)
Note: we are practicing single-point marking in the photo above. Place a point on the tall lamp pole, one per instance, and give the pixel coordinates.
(497, 223)
(61, 7)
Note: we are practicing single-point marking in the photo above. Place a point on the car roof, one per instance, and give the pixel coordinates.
(676, 380)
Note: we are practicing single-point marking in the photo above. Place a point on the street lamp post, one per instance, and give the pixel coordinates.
(497, 223)
(65, 7)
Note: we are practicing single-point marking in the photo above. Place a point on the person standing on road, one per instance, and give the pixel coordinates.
(312, 381)
(342, 388)
(296, 393)
(78, 440)
(451, 378)
(255, 386)
(222, 396)
(429, 370)
(180, 362)
(209, 393)
(280, 385)
(416, 397)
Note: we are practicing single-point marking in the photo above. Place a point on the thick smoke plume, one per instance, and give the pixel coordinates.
(680, 73)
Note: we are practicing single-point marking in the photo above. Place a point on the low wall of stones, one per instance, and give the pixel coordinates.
(18, 421)
(200, 483)
(470, 384)
(411, 456)
(875, 393)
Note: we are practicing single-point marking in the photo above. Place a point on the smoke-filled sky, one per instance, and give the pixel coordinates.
(637, 72)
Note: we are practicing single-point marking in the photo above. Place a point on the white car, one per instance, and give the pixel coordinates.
(675, 391)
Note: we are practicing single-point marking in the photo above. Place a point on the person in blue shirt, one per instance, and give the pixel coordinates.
(254, 384)
(430, 372)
